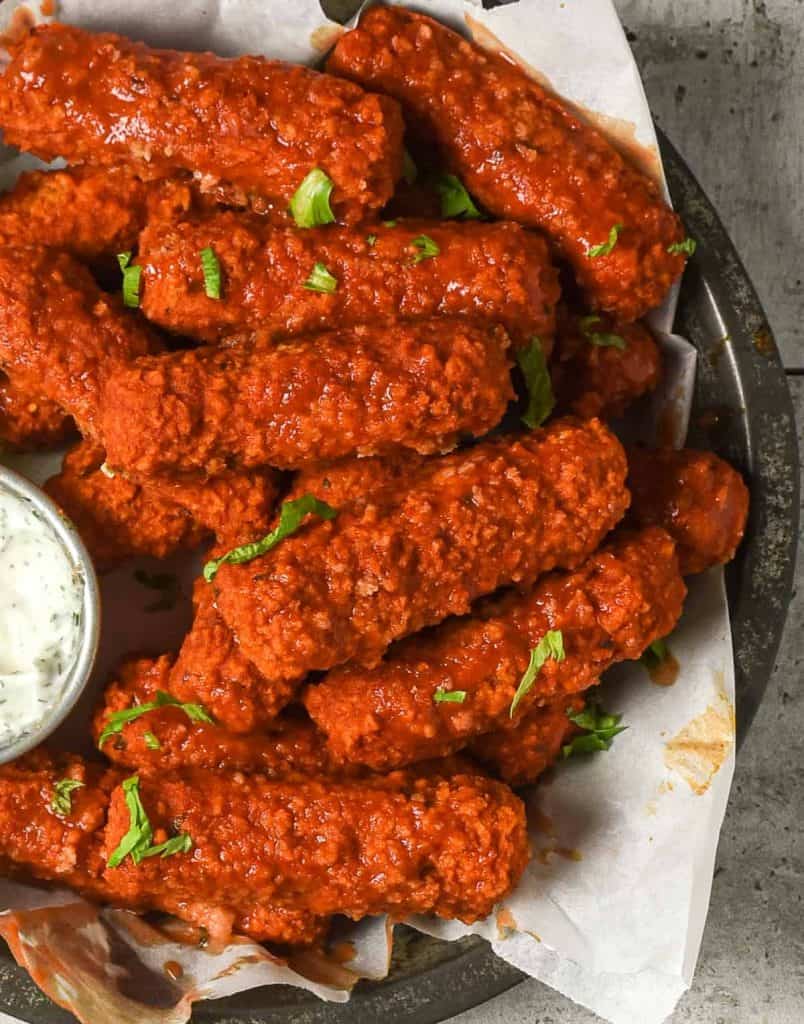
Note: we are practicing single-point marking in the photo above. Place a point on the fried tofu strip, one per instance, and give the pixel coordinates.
(696, 496)
(29, 422)
(621, 599)
(407, 843)
(257, 124)
(364, 389)
(118, 519)
(86, 211)
(167, 738)
(497, 272)
(59, 333)
(520, 754)
(523, 154)
(601, 366)
(500, 513)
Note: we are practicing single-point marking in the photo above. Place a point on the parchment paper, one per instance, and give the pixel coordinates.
(612, 908)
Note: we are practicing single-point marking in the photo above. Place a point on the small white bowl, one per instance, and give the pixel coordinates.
(89, 635)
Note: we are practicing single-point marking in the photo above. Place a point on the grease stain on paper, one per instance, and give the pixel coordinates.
(619, 132)
(325, 37)
(698, 751)
(506, 923)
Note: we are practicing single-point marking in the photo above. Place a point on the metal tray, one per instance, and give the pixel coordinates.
(744, 412)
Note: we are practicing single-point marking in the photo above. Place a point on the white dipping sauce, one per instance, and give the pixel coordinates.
(40, 616)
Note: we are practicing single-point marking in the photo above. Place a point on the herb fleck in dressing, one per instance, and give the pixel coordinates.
(40, 617)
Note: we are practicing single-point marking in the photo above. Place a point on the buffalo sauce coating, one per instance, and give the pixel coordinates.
(698, 498)
(502, 512)
(621, 599)
(212, 669)
(28, 421)
(167, 738)
(258, 124)
(497, 272)
(88, 212)
(593, 377)
(71, 847)
(520, 151)
(520, 754)
(118, 519)
(407, 843)
(59, 332)
(400, 844)
(365, 389)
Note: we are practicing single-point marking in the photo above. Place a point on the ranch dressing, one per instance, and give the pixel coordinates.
(40, 616)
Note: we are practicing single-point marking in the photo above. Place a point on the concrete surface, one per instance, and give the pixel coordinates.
(725, 79)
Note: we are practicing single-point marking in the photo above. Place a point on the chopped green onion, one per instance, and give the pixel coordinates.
(655, 654)
(212, 273)
(291, 516)
(599, 727)
(551, 646)
(389, 223)
(602, 339)
(537, 380)
(110, 473)
(320, 280)
(605, 247)
(449, 696)
(131, 280)
(371, 240)
(62, 802)
(455, 200)
(409, 170)
(426, 246)
(309, 206)
(118, 719)
(136, 843)
(151, 742)
(688, 247)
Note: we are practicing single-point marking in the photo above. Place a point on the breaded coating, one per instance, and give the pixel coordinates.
(502, 512)
(520, 754)
(257, 124)
(235, 506)
(623, 597)
(59, 333)
(29, 422)
(346, 480)
(496, 272)
(167, 738)
(523, 154)
(697, 497)
(592, 376)
(86, 211)
(70, 848)
(400, 845)
(212, 670)
(118, 519)
(367, 389)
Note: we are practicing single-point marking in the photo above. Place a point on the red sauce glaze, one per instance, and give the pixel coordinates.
(520, 754)
(502, 512)
(521, 153)
(59, 333)
(365, 389)
(698, 498)
(619, 601)
(592, 379)
(403, 844)
(292, 747)
(257, 124)
(28, 421)
(497, 272)
(86, 211)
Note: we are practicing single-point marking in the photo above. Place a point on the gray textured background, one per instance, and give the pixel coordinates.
(725, 80)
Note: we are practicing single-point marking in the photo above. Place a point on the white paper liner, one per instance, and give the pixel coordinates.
(614, 921)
